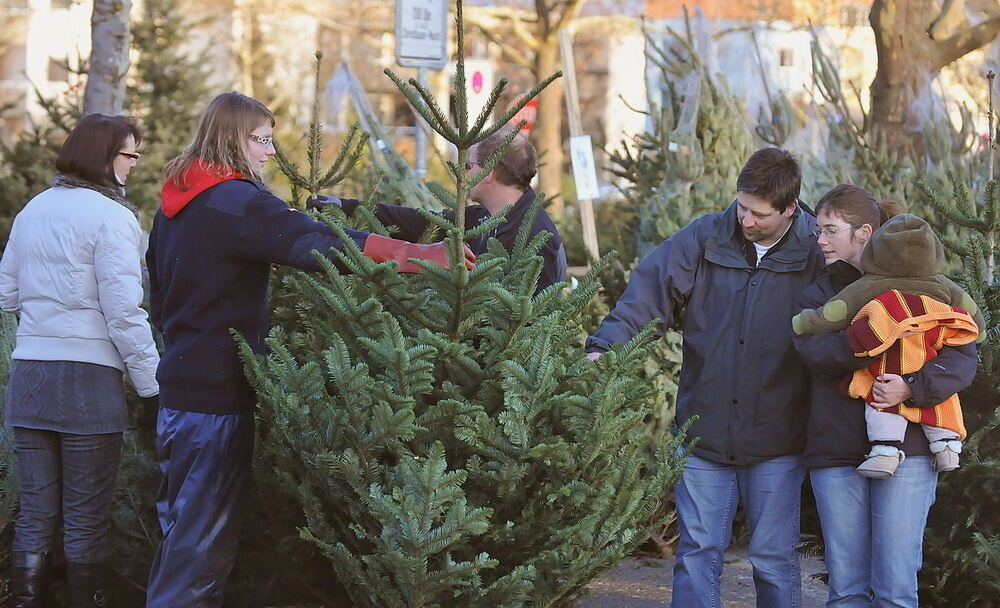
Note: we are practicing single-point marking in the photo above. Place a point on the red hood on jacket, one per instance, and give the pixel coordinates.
(198, 178)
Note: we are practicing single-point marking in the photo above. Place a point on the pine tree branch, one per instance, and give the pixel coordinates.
(427, 107)
(488, 107)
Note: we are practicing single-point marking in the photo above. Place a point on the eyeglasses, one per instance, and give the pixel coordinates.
(132, 155)
(472, 163)
(830, 231)
(264, 140)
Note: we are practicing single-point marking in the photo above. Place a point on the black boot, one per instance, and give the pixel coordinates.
(29, 579)
(85, 583)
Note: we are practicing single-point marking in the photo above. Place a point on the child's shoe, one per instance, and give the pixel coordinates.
(882, 461)
(945, 455)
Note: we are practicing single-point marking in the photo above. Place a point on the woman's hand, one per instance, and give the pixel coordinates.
(889, 390)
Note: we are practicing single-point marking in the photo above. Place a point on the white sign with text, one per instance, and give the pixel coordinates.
(422, 33)
(584, 170)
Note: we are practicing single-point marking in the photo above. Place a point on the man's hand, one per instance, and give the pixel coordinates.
(593, 356)
(383, 249)
(319, 201)
(889, 390)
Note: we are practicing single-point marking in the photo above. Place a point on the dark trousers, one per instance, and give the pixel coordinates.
(68, 476)
(205, 461)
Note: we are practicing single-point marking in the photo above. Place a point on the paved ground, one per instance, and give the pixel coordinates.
(645, 583)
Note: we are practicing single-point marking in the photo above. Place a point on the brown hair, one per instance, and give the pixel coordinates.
(772, 174)
(222, 136)
(857, 206)
(889, 209)
(90, 150)
(519, 163)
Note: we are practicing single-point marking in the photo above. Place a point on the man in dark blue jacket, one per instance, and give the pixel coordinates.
(509, 183)
(732, 281)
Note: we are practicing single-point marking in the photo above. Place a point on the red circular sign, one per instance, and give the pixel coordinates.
(477, 82)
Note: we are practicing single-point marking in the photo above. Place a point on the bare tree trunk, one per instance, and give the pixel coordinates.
(909, 59)
(548, 125)
(109, 38)
(904, 65)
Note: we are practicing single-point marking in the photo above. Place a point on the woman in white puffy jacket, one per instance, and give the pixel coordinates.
(71, 272)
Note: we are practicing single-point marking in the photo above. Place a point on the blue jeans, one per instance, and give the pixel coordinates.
(69, 478)
(873, 530)
(205, 461)
(707, 497)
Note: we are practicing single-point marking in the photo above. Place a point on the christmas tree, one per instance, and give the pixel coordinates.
(962, 543)
(445, 435)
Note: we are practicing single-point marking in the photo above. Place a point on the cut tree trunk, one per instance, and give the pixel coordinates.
(108, 66)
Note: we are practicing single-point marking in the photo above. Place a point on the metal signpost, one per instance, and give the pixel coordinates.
(422, 43)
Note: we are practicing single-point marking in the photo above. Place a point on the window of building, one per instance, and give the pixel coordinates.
(58, 71)
(12, 61)
(786, 58)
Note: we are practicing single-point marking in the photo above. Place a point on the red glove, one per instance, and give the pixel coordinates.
(383, 249)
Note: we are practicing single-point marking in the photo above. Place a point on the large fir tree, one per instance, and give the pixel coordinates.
(962, 543)
(447, 439)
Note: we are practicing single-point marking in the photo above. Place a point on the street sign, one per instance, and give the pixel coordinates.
(584, 172)
(422, 33)
(480, 76)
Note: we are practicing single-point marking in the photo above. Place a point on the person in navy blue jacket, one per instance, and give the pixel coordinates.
(209, 258)
(732, 282)
(873, 529)
(509, 183)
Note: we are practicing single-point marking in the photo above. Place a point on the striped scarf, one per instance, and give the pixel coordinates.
(877, 330)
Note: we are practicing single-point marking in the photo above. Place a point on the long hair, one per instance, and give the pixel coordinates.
(221, 141)
(90, 150)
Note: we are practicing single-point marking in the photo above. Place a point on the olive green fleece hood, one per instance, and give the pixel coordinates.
(905, 246)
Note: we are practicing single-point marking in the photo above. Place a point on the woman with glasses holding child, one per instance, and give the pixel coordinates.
(872, 527)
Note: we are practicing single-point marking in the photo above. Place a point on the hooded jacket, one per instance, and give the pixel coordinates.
(209, 266)
(741, 376)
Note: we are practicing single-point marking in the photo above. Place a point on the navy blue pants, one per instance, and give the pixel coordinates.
(205, 461)
(68, 477)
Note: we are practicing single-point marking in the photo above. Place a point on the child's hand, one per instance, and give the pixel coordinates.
(889, 390)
